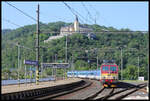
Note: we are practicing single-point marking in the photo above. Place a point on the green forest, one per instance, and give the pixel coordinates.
(82, 51)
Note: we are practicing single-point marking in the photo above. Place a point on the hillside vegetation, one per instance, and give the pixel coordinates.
(80, 48)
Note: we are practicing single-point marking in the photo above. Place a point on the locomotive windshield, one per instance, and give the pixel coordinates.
(113, 68)
(105, 68)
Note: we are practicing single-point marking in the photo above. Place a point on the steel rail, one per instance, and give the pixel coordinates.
(111, 93)
(127, 91)
(47, 91)
(65, 91)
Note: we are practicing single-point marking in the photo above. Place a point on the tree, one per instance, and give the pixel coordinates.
(130, 73)
(77, 44)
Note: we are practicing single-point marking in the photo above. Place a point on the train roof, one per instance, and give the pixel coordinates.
(109, 64)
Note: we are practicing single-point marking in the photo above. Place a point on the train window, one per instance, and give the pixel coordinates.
(92, 73)
(105, 68)
(113, 68)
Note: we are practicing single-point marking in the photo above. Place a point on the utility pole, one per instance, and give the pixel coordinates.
(66, 48)
(148, 61)
(25, 74)
(25, 69)
(55, 68)
(66, 55)
(97, 62)
(37, 47)
(121, 65)
(138, 66)
(42, 62)
(18, 62)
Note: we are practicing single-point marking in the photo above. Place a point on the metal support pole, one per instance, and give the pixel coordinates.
(30, 76)
(148, 65)
(55, 68)
(18, 63)
(138, 66)
(72, 67)
(121, 65)
(64, 72)
(26, 74)
(148, 61)
(41, 66)
(25, 69)
(66, 54)
(66, 48)
(37, 47)
(52, 73)
(97, 62)
(97, 65)
(42, 71)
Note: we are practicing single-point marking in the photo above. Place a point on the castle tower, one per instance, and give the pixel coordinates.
(76, 24)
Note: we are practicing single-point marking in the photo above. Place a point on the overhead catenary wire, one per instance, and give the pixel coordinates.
(11, 22)
(24, 13)
(127, 32)
(99, 14)
(87, 11)
(76, 13)
(21, 11)
(16, 44)
(72, 10)
(6, 20)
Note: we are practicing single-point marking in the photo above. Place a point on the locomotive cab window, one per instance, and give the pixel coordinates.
(105, 68)
(113, 68)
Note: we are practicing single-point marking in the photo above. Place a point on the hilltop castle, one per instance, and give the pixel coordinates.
(74, 28)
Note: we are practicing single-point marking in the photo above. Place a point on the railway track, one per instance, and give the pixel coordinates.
(125, 92)
(65, 91)
(48, 92)
(105, 93)
(85, 91)
(116, 93)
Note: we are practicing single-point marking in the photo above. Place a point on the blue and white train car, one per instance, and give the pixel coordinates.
(91, 74)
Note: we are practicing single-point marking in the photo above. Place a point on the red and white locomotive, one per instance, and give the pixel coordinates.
(109, 73)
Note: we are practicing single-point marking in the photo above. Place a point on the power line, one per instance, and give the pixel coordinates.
(69, 8)
(127, 32)
(72, 10)
(11, 22)
(16, 44)
(87, 10)
(22, 11)
(98, 14)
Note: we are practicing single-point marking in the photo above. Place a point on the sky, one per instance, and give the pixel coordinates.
(132, 15)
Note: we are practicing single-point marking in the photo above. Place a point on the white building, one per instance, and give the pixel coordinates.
(73, 28)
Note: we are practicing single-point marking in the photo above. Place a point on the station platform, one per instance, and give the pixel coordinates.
(30, 86)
